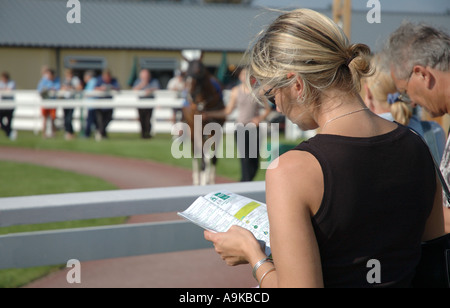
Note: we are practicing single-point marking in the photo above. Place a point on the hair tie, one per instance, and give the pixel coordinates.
(393, 98)
(349, 60)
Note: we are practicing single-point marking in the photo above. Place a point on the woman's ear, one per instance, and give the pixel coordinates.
(298, 85)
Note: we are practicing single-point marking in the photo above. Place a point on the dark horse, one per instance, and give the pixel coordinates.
(204, 94)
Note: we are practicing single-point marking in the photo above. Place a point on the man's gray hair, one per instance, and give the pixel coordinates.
(417, 44)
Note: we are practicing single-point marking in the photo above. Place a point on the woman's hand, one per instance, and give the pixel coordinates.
(236, 246)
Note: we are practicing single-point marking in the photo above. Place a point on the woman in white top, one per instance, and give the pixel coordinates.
(247, 122)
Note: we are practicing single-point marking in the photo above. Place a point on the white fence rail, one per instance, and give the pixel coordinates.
(27, 249)
(28, 104)
(28, 116)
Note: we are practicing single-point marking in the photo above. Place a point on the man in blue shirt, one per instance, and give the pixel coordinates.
(90, 84)
(107, 84)
(148, 85)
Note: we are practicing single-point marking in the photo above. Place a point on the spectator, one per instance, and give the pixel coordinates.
(71, 85)
(376, 89)
(178, 84)
(90, 83)
(148, 86)
(43, 79)
(381, 97)
(48, 87)
(419, 61)
(248, 110)
(106, 84)
(347, 195)
(6, 86)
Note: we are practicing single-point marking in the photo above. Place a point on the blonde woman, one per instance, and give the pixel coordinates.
(347, 196)
(377, 87)
(381, 96)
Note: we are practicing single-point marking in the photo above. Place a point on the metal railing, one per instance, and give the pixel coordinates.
(27, 249)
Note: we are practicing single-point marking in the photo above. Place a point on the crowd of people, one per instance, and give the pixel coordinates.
(103, 87)
(381, 96)
(91, 86)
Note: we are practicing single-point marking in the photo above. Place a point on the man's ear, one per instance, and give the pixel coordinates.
(425, 75)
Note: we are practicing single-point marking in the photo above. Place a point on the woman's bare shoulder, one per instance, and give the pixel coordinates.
(291, 161)
(296, 175)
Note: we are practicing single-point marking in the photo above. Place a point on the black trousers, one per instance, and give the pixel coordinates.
(104, 116)
(5, 120)
(248, 151)
(68, 117)
(145, 116)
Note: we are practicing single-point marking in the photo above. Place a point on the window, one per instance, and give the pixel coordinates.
(161, 68)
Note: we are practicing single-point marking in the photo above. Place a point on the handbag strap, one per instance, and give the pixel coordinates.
(436, 166)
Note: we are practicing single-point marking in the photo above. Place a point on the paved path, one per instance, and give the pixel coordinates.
(197, 268)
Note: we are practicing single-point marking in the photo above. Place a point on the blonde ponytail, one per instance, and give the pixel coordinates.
(401, 112)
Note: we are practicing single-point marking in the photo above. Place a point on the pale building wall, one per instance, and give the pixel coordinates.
(25, 64)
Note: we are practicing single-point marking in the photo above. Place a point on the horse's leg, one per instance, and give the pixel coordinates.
(197, 162)
(213, 160)
(212, 171)
(205, 171)
(196, 171)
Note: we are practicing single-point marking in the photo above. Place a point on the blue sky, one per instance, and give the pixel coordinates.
(411, 6)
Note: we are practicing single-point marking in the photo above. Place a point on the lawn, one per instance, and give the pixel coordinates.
(129, 145)
(17, 179)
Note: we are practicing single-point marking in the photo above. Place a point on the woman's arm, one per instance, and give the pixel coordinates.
(447, 219)
(294, 190)
(435, 223)
(264, 115)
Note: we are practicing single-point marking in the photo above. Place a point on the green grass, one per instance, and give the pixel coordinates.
(126, 145)
(131, 146)
(17, 179)
(20, 179)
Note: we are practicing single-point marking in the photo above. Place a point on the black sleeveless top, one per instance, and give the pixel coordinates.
(378, 193)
